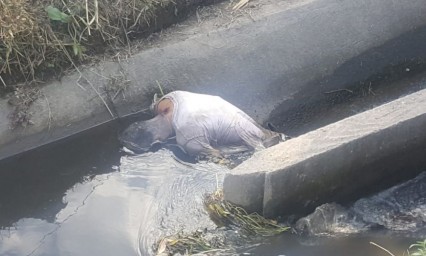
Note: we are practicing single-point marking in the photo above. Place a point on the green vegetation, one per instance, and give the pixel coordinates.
(418, 249)
(194, 243)
(46, 37)
(222, 213)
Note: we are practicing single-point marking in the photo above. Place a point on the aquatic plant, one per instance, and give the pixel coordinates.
(419, 248)
(416, 249)
(190, 244)
(222, 213)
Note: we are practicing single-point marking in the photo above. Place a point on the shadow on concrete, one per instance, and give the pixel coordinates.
(366, 81)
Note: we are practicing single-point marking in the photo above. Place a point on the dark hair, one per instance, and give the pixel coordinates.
(138, 136)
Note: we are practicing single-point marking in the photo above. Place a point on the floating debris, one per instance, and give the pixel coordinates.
(223, 214)
(240, 4)
(191, 244)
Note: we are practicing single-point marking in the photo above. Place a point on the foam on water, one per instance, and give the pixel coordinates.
(401, 208)
(122, 212)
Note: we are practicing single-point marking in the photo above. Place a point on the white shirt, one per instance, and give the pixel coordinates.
(204, 122)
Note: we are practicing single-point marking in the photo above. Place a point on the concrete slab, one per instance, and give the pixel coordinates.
(64, 108)
(335, 163)
(257, 65)
(283, 56)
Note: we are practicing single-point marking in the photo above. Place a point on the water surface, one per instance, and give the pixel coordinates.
(88, 198)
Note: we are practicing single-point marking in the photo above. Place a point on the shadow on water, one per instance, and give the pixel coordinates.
(393, 218)
(87, 198)
(33, 184)
(84, 197)
(291, 245)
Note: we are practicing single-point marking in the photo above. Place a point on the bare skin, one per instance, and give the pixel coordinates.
(165, 108)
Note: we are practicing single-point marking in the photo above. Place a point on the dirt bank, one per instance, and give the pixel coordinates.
(42, 39)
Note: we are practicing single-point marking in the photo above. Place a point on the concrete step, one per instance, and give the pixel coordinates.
(340, 162)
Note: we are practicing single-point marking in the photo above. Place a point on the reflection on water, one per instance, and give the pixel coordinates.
(291, 245)
(87, 199)
(173, 191)
(394, 218)
(32, 185)
(122, 212)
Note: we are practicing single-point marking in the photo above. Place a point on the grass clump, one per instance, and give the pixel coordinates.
(190, 244)
(418, 249)
(41, 37)
(22, 99)
(24, 40)
(223, 213)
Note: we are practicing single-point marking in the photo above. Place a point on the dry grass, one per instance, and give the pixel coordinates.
(23, 39)
(222, 213)
(416, 249)
(45, 36)
(22, 99)
(196, 243)
(40, 39)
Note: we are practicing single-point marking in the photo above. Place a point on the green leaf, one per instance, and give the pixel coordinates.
(55, 14)
(75, 49)
(78, 49)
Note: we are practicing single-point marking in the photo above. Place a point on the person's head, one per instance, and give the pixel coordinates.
(140, 136)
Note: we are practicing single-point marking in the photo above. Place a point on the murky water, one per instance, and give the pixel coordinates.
(401, 209)
(122, 212)
(90, 199)
(291, 245)
(392, 219)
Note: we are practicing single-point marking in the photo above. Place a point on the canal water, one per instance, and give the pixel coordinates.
(84, 196)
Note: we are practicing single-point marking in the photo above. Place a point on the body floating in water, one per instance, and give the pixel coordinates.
(202, 124)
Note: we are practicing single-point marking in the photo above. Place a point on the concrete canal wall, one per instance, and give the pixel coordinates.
(287, 52)
(337, 163)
